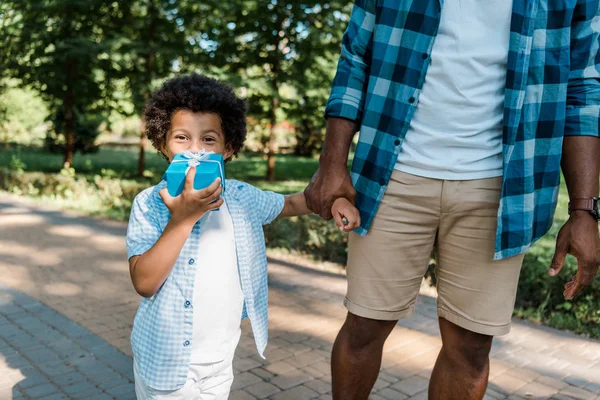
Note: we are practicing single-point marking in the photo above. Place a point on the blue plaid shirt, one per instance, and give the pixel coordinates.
(163, 326)
(552, 90)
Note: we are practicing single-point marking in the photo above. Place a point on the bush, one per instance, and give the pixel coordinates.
(309, 234)
(97, 195)
(540, 298)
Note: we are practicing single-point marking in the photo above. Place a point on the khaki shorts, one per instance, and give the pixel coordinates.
(458, 220)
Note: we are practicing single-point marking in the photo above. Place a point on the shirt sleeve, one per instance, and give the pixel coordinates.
(143, 230)
(268, 205)
(583, 91)
(348, 90)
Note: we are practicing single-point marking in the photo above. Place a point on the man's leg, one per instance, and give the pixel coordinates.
(462, 369)
(356, 356)
(385, 270)
(476, 294)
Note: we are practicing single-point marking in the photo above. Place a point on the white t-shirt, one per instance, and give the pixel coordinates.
(218, 298)
(456, 131)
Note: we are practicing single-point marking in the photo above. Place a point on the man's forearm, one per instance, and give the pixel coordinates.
(581, 166)
(338, 138)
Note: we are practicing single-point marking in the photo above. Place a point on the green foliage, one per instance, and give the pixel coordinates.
(283, 54)
(61, 48)
(311, 235)
(540, 297)
(22, 116)
(86, 132)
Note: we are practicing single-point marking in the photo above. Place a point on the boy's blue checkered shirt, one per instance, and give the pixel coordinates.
(552, 90)
(163, 326)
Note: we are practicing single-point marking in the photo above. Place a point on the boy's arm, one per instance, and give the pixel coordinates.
(150, 270)
(295, 205)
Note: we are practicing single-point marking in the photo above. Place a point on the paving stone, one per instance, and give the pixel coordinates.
(56, 396)
(101, 396)
(79, 387)
(297, 393)
(290, 379)
(554, 383)
(506, 384)
(318, 386)
(245, 364)
(262, 390)
(41, 390)
(262, 373)
(85, 395)
(411, 386)
(55, 368)
(576, 381)
(32, 378)
(280, 367)
(391, 394)
(240, 395)
(593, 387)
(419, 396)
(127, 388)
(109, 384)
(577, 393)
(536, 390)
(243, 380)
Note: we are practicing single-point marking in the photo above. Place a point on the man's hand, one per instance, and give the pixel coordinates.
(332, 180)
(579, 237)
(192, 204)
(329, 183)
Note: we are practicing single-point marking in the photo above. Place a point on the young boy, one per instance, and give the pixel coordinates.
(200, 272)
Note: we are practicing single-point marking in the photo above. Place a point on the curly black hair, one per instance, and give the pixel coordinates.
(196, 93)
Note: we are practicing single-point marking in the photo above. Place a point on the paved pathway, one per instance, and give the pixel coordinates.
(66, 308)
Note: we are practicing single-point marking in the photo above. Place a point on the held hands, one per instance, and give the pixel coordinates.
(329, 183)
(579, 237)
(346, 216)
(192, 204)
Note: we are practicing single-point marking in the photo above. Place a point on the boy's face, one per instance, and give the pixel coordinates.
(195, 131)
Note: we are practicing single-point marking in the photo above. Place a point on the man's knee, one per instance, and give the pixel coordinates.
(463, 346)
(364, 333)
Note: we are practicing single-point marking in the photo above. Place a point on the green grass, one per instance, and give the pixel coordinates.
(291, 174)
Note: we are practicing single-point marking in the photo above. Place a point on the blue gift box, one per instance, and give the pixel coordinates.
(209, 166)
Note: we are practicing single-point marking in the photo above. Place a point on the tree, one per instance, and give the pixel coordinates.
(160, 37)
(271, 42)
(62, 49)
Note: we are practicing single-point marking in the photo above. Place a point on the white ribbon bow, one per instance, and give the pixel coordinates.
(194, 159)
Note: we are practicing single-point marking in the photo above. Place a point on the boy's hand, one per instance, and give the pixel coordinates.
(346, 216)
(192, 204)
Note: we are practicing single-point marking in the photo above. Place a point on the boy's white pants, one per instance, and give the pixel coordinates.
(204, 382)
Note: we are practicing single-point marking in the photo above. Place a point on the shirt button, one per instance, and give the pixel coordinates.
(186, 343)
(187, 304)
(424, 56)
(411, 100)
(396, 142)
(191, 261)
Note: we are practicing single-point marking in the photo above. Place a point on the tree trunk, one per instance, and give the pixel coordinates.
(304, 145)
(275, 106)
(271, 143)
(69, 129)
(149, 71)
(142, 156)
